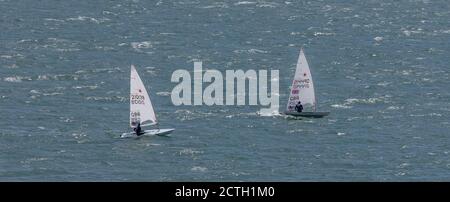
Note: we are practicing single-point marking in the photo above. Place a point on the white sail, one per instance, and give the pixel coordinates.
(141, 109)
(302, 88)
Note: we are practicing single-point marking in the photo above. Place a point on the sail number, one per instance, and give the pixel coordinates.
(137, 99)
(303, 83)
(135, 114)
(135, 117)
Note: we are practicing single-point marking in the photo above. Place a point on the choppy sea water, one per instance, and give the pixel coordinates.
(381, 68)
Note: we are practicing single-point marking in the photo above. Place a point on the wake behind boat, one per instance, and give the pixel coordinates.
(302, 99)
(141, 109)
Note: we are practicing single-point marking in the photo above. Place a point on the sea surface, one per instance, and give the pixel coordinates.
(380, 67)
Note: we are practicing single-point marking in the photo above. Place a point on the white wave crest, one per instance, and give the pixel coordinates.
(244, 3)
(163, 93)
(89, 19)
(16, 79)
(199, 168)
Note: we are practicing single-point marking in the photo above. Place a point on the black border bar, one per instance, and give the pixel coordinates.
(264, 191)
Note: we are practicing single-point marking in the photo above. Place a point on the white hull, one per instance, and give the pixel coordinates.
(308, 114)
(153, 132)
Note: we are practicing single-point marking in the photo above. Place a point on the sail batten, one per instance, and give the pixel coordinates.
(141, 109)
(302, 88)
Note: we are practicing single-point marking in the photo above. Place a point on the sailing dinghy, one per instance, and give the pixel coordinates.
(302, 90)
(141, 109)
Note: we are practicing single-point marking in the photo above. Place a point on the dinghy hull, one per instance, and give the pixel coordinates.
(308, 114)
(153, 132)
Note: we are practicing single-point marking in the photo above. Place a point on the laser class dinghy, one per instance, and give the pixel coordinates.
(141, 109)
(302, 92)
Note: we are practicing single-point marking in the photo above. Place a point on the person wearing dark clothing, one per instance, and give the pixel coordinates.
(138, 130)
(299, 107)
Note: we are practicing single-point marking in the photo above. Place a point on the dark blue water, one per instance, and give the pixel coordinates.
(381, 68)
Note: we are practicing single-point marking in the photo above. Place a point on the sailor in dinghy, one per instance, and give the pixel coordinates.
(138, 129)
